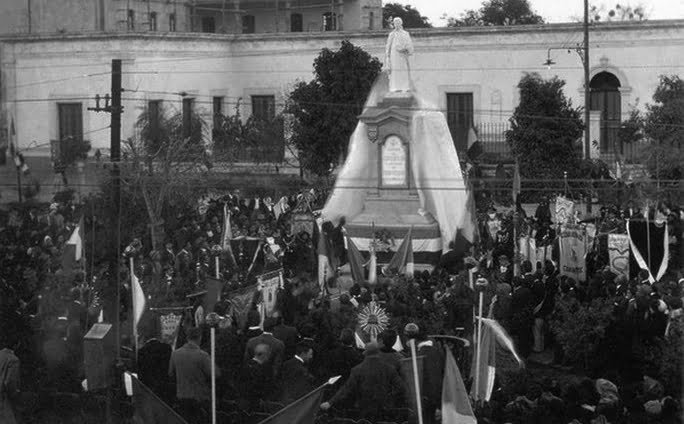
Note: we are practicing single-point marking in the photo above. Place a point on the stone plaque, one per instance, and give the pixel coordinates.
(394, 162)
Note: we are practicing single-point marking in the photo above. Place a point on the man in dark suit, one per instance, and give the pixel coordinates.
(191, 368)
(345, 356)
(153, 366)
(256, 378)
(387, 352)
(286, 334)
(296, 380)
(277, 347)
(373, 385)
(433, 371)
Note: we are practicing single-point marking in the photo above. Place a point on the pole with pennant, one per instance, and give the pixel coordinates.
(416, 381)
(131, 265)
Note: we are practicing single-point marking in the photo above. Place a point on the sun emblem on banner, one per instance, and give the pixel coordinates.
(373, 320)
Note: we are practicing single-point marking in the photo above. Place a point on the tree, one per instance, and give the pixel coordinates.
(545, 129)
(498, 13)
(165, 164)
(663, 128)
(254, 140)
(411, 17)
(325, 109)
(617, 14)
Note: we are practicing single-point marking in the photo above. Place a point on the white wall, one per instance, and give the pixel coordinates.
(488, 62)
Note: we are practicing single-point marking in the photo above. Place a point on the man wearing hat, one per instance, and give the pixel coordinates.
(277, 347)
(373, 386)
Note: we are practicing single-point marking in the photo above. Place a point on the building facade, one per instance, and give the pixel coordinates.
(207, 16)
(471, 74)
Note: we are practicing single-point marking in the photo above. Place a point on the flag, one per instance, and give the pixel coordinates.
(470, 228)
(474, 146)
(565, 210)
(650, 247)
(493, 334)
(240, 301)
(355, 261)
(301, 411)
(213, 294)
(325, 270)
(456, 407)
(516, 183)
(227, 230)
(73, 249)
(138, 299)
(403, 257)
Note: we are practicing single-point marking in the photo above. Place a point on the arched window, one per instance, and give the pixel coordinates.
(329, 21)
(296, 22)
(605, 97)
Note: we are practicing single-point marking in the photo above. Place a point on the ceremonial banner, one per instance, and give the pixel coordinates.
(240, 300)
(565, 209)
(650, 246)
(573, 248)
(169, 325)
(269, 284)
(618, 253)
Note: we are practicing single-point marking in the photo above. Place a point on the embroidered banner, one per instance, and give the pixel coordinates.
(565, 209)
(618, 253)
(573, 248)
(269, 284)
(169, 325)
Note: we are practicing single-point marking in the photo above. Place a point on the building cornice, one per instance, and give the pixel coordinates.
(676, 24)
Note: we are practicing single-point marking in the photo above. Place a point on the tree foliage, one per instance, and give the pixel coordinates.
(545, 129)
(619, 13)
(325, 109)
(254, 140)
(410, 16)
(498, 13)
(661, 127)
(164, 164)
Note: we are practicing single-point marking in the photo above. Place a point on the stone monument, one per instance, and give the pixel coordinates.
(392, 206)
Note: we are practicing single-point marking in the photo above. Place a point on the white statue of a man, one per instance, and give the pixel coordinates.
(399, 48)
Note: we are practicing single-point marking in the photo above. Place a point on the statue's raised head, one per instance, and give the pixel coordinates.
(398, 23)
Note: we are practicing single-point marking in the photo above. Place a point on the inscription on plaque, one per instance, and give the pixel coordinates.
(393, 162)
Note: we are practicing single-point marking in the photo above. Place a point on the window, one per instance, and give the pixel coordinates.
(153, 21)
(70, 121)
(329, 21)
(218, 112)
(188, 106)
(208, 24)
(248, 24)
(605, 96)
(460, 118)
(131, 19)
(371, 19)
(263, 107)
(172, 22)
(296, 22)
(154, 112)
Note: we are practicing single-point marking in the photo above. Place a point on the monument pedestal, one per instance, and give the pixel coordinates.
(393, 207)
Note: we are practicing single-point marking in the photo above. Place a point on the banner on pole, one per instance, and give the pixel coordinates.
(269, 284)
(573, 248)
(565, 210)
(169, 324)
(618, 253)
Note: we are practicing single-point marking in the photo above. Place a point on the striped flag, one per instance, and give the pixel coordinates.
(403, 257)
(492, 334)
(138, 301)
(73, 248)
(355, 261)
(455, 403)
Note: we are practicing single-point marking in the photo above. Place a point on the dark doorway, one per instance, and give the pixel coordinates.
(605, 97)
(296, 22)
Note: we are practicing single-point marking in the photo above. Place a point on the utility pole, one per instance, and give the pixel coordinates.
(587, 100)
(115, 154)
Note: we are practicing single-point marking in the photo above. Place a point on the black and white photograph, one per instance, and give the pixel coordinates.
(341, 212)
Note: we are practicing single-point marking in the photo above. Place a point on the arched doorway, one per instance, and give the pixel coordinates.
(605, 97)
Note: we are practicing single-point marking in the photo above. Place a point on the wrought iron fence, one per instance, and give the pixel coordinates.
(492, 138)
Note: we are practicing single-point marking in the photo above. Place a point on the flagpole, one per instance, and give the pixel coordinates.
(213, 375)
(135, 327)
(478, 353)
(217, 266)
(416, 382)
(648, 241)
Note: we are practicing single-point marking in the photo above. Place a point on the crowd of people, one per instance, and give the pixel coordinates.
(266, 363)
